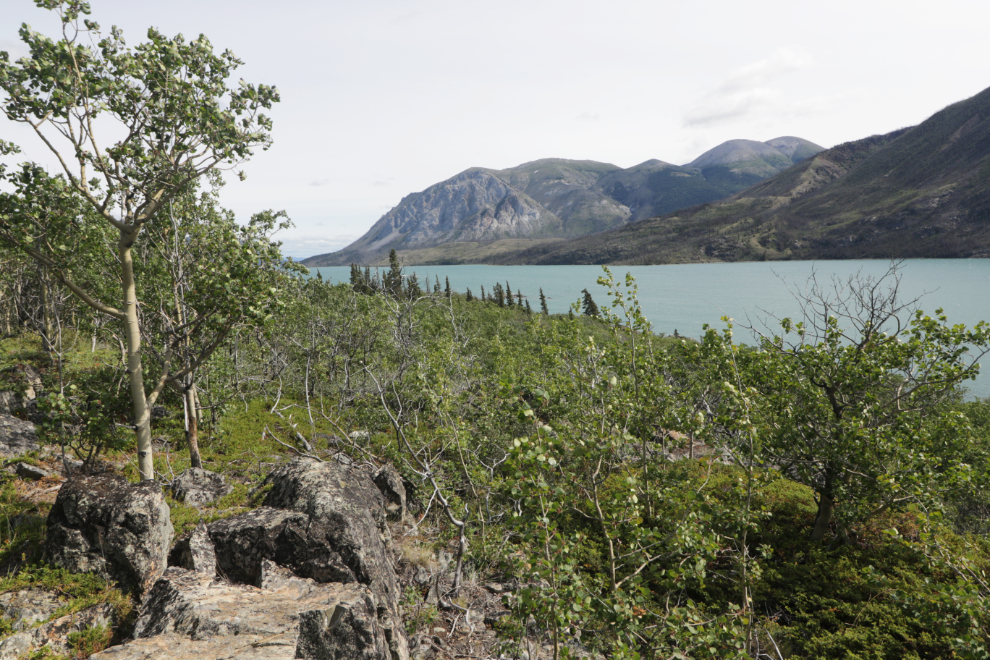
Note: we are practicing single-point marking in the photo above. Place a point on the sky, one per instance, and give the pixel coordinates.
(382, 98)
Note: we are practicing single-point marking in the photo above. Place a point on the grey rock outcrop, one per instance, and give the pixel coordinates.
(55, 634)
(10, 402)
(26, 608)
(199, 487)
(288, 538)
(30, 472)
(189, 615)
(349, 509)
(389, 482)
(195, 552)
(17, 436)
(104, 524)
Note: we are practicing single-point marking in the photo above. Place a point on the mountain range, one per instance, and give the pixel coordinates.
(922, 191)
(485, 214)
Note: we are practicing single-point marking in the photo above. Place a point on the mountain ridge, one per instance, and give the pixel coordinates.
(921, 191)
(555, 198)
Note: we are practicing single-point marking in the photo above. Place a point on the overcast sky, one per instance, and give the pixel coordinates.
(384, 98)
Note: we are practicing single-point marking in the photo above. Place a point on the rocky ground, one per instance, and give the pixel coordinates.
(330, 565)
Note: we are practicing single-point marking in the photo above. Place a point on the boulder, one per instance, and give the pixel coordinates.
(30, 472)
(347, 510)
(10, 402)
(195, 552)
(288, 538)
(389, 482)
(188, 615)
(17, 436)
(104, 524)
(198, 487)
(55, 634)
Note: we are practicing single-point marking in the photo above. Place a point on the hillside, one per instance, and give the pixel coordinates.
(482, 213)
(917, 192)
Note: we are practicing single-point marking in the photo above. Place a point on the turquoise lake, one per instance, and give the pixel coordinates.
(687, 296)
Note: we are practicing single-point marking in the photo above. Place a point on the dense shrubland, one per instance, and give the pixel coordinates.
(826, 503)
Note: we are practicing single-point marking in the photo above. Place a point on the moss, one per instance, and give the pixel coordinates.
(92, 640)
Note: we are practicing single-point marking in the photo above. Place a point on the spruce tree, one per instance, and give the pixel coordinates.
(499, 295)
(447, 288)
(519, 297)
(588, 306)
(412, 286)
(393, 278)
(543, 304)
(529, 310)
(483, 298)
(436, 284)
(467, 296)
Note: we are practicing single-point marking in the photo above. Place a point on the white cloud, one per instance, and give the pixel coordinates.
(15, 49)
(301, 246)
(748, 90)
(319, 182)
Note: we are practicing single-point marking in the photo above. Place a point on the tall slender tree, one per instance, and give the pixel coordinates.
(168, 104)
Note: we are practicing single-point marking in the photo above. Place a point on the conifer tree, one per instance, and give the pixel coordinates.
(483, 298)
(393, 278)
(468, 296)
(588, 306)
(436, 284)
(413, 289)
(543, 304)
(447, 288)
(519, 297)
(529, 310)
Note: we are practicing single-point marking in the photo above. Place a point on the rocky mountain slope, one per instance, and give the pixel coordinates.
(922, 191)
(557, 198)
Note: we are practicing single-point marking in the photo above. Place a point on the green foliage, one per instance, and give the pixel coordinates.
(92, 640)
(858, 414)
(419, 615)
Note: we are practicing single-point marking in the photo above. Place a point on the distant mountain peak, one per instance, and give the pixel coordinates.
(553, 198)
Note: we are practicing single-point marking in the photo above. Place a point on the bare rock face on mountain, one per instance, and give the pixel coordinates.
(103, 524)
(189, 615)
(472, 206)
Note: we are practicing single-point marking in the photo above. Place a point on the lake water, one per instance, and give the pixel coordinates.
(684, 297)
